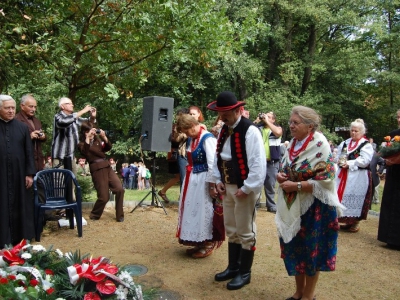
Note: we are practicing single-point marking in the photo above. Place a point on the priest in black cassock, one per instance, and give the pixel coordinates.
(16, 177)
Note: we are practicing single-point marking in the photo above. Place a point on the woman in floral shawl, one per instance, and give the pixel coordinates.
(307, 218)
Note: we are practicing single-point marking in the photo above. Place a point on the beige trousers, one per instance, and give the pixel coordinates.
(240, 217)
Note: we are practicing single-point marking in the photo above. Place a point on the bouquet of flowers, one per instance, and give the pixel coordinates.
(391, 152)
(32, 272)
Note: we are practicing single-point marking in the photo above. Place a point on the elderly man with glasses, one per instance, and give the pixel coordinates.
(66, 132)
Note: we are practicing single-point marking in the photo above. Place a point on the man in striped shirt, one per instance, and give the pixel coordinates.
(66, 132)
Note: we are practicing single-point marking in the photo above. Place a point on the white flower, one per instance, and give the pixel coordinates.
(21, 277)
(26, 255)
(2, 262)
(126, 277)
(20, 289)
(138, 290)
(38, 248)
(60, 254)
(121, 292)
(3, 273)
(26, 246)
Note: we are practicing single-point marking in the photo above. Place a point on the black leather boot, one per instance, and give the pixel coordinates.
(233, 267)
(243, 278)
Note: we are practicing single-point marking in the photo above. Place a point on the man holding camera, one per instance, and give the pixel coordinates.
(271, 134)
(26, 115)
(66, 132)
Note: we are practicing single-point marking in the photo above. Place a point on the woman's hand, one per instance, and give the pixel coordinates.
(289, 186)
(281, 177)
(213, 191)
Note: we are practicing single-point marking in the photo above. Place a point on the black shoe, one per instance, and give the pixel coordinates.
(94, 218)
(244, 276)
(227, 274)
(239, 281)
(120, 219)
(271, 210)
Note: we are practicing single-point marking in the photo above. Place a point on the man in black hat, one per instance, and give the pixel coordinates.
(239, 172)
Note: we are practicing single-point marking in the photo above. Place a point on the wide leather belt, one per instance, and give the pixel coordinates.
(228, 174)
(97, 160)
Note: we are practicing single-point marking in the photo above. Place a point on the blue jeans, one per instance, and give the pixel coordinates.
(132, 182)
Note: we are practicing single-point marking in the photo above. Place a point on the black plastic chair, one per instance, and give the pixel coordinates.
(57, 185)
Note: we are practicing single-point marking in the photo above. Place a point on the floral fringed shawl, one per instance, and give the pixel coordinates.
(316, 166)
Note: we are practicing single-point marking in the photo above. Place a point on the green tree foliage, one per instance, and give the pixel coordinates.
(339, 57)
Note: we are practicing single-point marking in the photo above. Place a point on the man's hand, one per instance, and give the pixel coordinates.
(221, 188)
(28, 181)
(240, 194)
(37, 135)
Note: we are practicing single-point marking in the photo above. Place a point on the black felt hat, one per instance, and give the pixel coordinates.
(225, 101)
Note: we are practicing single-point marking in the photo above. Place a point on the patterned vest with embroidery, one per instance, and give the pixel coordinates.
(356, 153)
(238, 149)
(199, 156)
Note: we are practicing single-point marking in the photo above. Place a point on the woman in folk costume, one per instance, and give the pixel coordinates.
(200, 222)
(353, 178)
(307, 205)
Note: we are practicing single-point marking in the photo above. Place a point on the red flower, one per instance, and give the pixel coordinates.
(50, 291)
(314, 253)
(11, 277)
(91, 296)
(12, 257)
(253, 248)
(49, 272)
(94, 277)
(3, 280)
(33, 282)
(106, 287)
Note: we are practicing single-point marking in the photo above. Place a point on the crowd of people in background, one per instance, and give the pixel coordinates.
(315, 188)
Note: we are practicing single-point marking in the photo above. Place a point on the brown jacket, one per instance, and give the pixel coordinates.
(95, 154)
(36, 144)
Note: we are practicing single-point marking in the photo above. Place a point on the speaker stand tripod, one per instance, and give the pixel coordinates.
(155, 201)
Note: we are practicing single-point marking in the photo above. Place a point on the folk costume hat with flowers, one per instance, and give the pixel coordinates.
(225, 101)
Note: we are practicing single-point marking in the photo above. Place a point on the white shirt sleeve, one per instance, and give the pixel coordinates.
(256, 161)
(210, 145)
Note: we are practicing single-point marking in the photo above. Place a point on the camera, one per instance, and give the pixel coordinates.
(98, 131)
(261, 115)
(40, 134)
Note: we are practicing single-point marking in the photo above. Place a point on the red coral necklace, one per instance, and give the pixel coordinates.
(195, 142)
(294, 153)
(351, 147)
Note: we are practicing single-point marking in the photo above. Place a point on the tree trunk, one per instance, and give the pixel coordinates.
(312, 40)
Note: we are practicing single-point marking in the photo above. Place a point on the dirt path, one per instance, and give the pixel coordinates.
(365, 268)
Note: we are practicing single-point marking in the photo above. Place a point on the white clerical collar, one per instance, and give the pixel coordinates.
(5, 120)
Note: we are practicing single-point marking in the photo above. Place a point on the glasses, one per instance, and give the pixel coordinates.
(295, 123)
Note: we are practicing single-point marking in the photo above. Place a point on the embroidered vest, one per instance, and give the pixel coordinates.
(238, 149)
(356, 153)
(199, 156)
